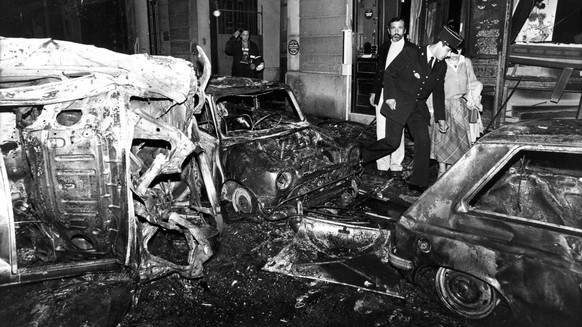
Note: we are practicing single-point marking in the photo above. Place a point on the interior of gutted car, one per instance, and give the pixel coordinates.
(536, 185)
(256, 112)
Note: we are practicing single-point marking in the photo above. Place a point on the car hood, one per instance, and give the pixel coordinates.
(304, 149)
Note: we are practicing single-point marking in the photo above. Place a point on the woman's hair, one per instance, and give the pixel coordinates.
(462, 49)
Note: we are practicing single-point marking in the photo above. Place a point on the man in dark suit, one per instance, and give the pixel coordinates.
(386, 54)
(246, 59)
(408, 82)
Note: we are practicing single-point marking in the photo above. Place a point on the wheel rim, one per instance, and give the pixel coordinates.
(242, 201)
(464, 294)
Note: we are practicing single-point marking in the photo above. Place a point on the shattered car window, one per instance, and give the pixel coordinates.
(543, 186)
(256, 112)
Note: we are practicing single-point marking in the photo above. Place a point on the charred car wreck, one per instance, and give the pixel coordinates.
(267, 158)
(100, 160)
(502, 225)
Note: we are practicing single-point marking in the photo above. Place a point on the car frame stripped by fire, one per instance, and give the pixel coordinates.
(268, 158)
(101, 159)
(503, 225)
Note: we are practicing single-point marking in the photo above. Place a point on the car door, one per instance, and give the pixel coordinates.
(530, 214)
(69, 181)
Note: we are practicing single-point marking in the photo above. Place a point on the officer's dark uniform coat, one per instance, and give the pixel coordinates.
(410, 81)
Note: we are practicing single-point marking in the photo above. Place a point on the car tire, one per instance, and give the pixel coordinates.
(228, 212)
(464, 294)
(238, 206)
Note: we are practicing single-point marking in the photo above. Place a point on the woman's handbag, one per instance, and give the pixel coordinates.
(474, 99)
(473, 116)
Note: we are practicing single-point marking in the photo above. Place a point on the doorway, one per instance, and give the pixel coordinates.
(424, 19)
(226, 17)
(370, 31)
(431, 16)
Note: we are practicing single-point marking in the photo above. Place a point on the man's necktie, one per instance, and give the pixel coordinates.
(430, 62)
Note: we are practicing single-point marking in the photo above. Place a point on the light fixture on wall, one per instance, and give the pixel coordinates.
(216, 11)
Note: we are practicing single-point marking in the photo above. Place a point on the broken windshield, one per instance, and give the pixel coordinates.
(257, 112)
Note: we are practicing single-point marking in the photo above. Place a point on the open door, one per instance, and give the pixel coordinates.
(226, 18)
(370, 31)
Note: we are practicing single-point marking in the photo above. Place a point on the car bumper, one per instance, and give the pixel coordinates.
(400, 263)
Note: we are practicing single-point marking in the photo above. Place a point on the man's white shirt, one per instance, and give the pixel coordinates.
(394, 50)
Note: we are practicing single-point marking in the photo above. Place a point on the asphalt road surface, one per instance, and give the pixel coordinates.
(235, 291)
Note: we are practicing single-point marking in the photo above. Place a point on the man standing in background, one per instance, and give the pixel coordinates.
(387, 52)
(246, 59)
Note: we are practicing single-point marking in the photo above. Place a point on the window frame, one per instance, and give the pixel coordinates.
(464, 204)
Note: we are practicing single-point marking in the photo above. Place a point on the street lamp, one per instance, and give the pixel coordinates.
(216, 11)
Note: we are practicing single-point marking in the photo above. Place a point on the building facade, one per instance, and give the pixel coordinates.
(326, 50)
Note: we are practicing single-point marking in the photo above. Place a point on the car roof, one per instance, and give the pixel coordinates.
(28, 60)
(227, 85)
(562, 132)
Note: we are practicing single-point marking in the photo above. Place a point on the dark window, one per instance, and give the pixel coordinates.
(238, 14)
(102, 23)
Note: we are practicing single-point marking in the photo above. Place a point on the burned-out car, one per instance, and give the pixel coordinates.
(267, 157)
(101, 163)
(505, 223)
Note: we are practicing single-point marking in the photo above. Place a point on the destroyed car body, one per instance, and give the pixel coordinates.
(267, 157)
(101, 160)
(505, 223)
(351, 249)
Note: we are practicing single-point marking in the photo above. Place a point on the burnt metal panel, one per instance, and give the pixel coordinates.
(508, 213)
(7, 236)
(340, 253)
(76, 151)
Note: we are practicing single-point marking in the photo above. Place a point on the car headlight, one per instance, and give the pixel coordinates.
(423, 245)
(354, 154)
(284, 180)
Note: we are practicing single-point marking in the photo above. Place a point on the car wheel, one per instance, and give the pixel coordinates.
(236, 206)
(464, 294)
(228, 213)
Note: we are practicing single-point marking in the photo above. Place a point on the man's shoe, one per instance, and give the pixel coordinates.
(416, 188)
(365, 160)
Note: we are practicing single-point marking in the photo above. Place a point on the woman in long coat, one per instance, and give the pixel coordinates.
(462, 94)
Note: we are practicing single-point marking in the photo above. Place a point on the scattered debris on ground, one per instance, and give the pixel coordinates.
(235, 290)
